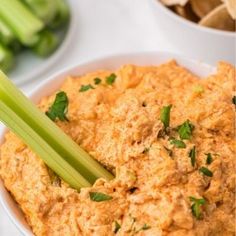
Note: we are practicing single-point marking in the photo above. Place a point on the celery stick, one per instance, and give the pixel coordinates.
(6, 34)
(58, 140)
(22, 22)
(6, 59)
(47, 44)
(46, 10)
(62, 16)
(7, 37)
(40, 146)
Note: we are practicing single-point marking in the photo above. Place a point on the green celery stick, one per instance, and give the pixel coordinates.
(7, 37)
(46, 10)
(6, 34)
(40, 146)
(47, 44)
(63, 14)
(58, 140)
(6, 59)
(21, 21)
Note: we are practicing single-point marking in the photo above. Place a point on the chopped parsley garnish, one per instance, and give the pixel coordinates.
(178, 143)
(99, 197)
(117, 227)
(234, 100)
(206, 171)
(145, 227)
(59, 107)
(185, 130)
(111, 79)
(97, 81)
(165, 116)
(192, 155)
(209, 159)
(85, 88)
(196, 206)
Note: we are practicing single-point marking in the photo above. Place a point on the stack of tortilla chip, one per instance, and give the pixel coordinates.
(217, 14)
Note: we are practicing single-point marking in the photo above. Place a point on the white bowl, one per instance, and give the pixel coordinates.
(54, 82)
(31, 67)
(194, 41)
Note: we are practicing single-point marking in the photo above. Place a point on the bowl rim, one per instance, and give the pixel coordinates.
(26, 78)
(191, 24)
(68, 69)
(37, 93)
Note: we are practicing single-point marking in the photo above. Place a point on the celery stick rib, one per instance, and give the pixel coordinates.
(22, 22)
(44, 9)
(37, 144)
(6, 34)
(58, 140)
(47, 44)
(62, 14)
(6, 58)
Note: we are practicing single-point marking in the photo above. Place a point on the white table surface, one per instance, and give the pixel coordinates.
(104, 27)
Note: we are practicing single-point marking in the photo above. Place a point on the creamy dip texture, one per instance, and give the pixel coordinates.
(174, 181)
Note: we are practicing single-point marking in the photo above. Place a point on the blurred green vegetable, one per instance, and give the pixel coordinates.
(6, 34)
(31, 24)
(47, 44)
(7, 37)
(6, 59)
(62, 16)
(21, 20)
(46, 10)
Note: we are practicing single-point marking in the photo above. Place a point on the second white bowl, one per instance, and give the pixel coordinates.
(194, 41)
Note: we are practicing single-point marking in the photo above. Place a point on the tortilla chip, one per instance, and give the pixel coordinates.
(203, 7)
(231, 7)
(219, 18)
(174, 2)
(186, 12)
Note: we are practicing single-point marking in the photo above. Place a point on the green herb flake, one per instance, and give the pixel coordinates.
(209, 159)
(196, 206)
(165, 116)
(59, 107)
(117, 227)
(85, 88)
(185, 130)
(178, 143)
(192, 155)
(99, 197)
(234, 100)
(97, 81)
(206, 171)
(111, 79)
(145, 227)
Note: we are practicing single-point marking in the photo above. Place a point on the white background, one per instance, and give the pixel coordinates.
(104, 27)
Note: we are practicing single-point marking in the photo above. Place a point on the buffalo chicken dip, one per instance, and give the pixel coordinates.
(165, 134)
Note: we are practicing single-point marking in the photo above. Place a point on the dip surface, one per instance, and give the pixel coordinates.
(119, 125)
